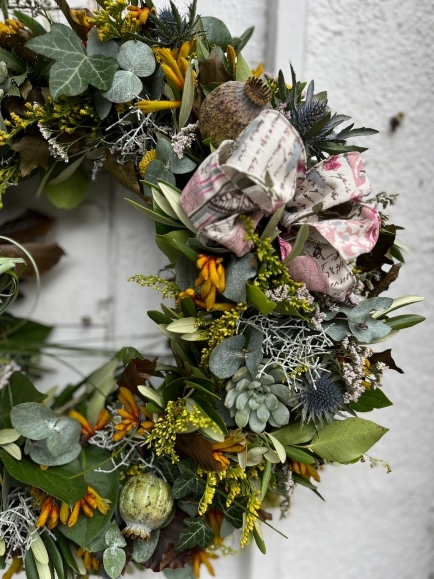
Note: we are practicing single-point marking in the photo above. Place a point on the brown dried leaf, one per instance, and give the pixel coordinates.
(212, 70)
(136, 373)
(26, 226)
(386, 279)
(386, 358)
(18, 44)
(45, 255)
(34, 153)
(25, 88)
(379, 254)
(164, 557)
(196, 447)
(124, 174)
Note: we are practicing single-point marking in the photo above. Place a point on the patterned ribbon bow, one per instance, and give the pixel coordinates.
(265, 169)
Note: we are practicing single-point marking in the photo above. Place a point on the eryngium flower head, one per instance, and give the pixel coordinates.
(319, 400)
(256, 399)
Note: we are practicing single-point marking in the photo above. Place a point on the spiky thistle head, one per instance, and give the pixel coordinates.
(172, 28)
(318, 400)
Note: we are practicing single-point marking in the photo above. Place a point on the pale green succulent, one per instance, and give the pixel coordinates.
(258, 399)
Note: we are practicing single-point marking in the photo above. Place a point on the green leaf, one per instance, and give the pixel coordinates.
(336, 148)
(227, 357)
(299, 455)
(30, 566)
(159, 317)
(238, 271)
(216, 32)
(197, 386)
(70, 168)
(114, 560)
(270, 229)
(143, 550)
(259, 537)
(33, 420)
(151, 394)
(70, 192)
(65, 549)
(399, 303)
(136, 57)
(8, 435)
(300, 240)
(188, 307)
(55, 481)
(183, 326)
(22, 390)
(153, 215)
(55, 556)
(125, 86)
(13, 61)
(187, 97)
(257, 297)
(102, 382)
(30, 22)
(243, 40)
(170, 243)
(266, 476)
(295, 434)
(106, 484)
(197, 533)
(305, 482)
(242, 70)
(173, 197)
(202, 51)
(404, 321)
(345, 440)
(371, 399)
(185, 485)
(73, 70)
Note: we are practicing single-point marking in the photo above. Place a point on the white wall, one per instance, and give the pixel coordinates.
(374, 58)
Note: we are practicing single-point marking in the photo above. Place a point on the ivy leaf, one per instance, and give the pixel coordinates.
(234, 514)
(346, 440)
(197, 533)
(114, 560)
(73, 70)
(33, 153)
(187, 484)
(55, 481)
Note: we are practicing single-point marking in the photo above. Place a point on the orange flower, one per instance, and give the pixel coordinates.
(307, 470)
(9, 27)
(140, 14)
(131, 416)
(83, 17)
(90, 562)
(103, 419)
(92, 500)
(212, 278)
(231, 444)
(149, 107)
(49, 513)
(174, 62)
(215, 520)
(200, 558)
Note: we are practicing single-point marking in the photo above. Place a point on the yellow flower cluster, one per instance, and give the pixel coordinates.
(9, 175)
(16, 124)
(253, 506)
(232, 479)
(169, 289)
(146, 159)
(222, 328)
(111, 21)
(176, 420)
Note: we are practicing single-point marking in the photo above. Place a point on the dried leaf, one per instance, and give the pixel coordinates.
(17, 42)
(386, 279)
(27, 226)
(196, 447)
(136, 373)
(164, 557)
(212, 70)
(45, 255)
(124, 174)
(386, 358)
(34, 153)
(379, 254)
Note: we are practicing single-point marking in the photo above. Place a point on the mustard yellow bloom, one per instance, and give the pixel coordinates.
(49, 513)
(148, 107)
(15, 567)
(90, 562)
(202, 558)
(92, 500)
(306, 470)
(131, 416)
(103, 419)
(215, 520)
(146, 159)
(83, 17)
(140, 14)
(212, 278)
(9, 28)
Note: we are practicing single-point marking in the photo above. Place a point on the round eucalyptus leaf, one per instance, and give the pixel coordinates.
(33, 420)
(136, 57)
(126, 85)
(114, 537)
(167, 155)
(95, 46)
(227, 357)
(40, 454)
(156, 170)
(216, 31)
(65, 433)
(143, 550)
(114, 561)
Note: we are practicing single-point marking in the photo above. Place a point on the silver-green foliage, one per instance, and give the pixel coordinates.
(258, 398)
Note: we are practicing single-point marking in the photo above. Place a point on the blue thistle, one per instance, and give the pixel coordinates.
(305, 116)
(319, 401)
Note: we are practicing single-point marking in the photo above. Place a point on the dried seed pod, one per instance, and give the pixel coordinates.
(229, 108)
(145, 503)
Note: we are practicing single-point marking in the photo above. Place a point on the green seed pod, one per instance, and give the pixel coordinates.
(145, 504)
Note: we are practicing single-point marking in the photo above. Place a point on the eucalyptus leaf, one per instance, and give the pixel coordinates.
(186, 272)
(216, 32)
(125, 86)
(64, 436)
(113, 536)
(95, 46)
(157, 170)
(238, 271)
(39, 453)
(136, 57)
(33, 420)
(102, 105)
(227, 357)
(114, 560)
(143, 550)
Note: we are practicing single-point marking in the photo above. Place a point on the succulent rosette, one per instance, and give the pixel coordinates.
(277, 256)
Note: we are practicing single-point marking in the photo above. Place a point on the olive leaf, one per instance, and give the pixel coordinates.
(73, 70)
